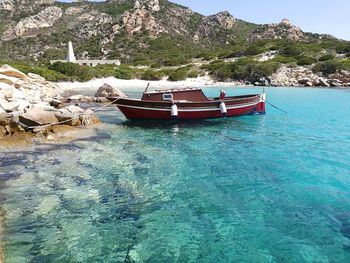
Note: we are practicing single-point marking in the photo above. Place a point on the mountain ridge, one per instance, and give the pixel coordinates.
(41, 28)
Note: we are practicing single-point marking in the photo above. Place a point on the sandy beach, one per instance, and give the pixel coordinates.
(137, 84)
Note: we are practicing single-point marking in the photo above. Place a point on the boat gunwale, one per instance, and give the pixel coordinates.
(183, 102)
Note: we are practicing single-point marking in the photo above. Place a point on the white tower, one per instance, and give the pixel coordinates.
(70, 56)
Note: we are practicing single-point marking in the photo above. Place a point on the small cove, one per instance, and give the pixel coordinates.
(270, 188)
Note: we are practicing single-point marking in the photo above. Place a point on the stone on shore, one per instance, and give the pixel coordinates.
(323, 82)
(303, 81)
(3, 131)
(109, 91)
(89, 118)
(66, 116)
(29, 108)
(11, 72)
(37, 117)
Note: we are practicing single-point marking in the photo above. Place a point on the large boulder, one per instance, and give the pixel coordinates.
(109, 91)
(37, 117)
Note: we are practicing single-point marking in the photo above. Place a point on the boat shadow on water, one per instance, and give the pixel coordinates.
(238, 122)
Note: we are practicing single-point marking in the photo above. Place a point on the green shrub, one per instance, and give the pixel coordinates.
(124, 73)
(327, 57)
(254, 50)
(176, 61)
(179, 74)
(284, 59)
(224, 73)
(345, 64)
(326, 68)
(77, 72)
(49, 75)
(193, 74)
(291, 50)
(305, 60)
(208, 55)
(152, 75)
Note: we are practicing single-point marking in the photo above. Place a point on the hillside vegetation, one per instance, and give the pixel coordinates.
(158, 39)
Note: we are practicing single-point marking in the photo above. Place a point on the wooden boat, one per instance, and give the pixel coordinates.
(188, 103)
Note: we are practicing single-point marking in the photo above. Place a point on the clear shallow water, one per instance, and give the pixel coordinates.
(272, 188)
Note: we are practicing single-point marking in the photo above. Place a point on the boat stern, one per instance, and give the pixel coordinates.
(261, 109)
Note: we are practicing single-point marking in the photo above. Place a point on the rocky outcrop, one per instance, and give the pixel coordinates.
(91, 22)
(6, 5)
(152, 5)
(26, 105)
(140, 20)
(303, 76)
(222, 20)
(284, 30)
(29, 26)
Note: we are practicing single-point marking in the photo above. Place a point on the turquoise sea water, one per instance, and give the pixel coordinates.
(268, 188)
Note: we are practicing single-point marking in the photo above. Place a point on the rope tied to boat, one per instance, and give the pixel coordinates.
(277, 108)
(68, 120)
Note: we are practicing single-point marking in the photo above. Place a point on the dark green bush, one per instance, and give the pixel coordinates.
(254, 50)
(305, 60)
(125, 73)
(77, 72)
(284, 60)
(179, 74)
(152, 75)
(193, 73)
(326, 68)
(327, 57)
(291, 50)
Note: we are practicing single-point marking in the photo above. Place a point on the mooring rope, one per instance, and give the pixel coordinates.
(65, 121)
(277, 108)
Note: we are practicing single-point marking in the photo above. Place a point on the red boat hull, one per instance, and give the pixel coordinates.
(134, 111)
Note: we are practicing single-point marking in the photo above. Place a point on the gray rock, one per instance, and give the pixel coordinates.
(323, 82)
(303, 81)
(74, 109)
(64, 115)
(46, 18)
(88, 118)
(3, 131)
(9, 106)
(309, 84)
(37, 117)
(4, 119)
(335, 83)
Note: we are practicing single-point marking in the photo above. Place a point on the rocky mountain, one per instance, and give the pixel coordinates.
(40, 29)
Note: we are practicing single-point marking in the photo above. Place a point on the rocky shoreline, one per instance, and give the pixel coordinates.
(304, 77)
(32, 108)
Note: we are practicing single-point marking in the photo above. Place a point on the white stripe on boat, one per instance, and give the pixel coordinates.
(192, 109)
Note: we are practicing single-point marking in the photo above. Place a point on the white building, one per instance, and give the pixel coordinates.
(93, 63)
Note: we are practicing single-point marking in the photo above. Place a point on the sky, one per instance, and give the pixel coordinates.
(317, 16)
